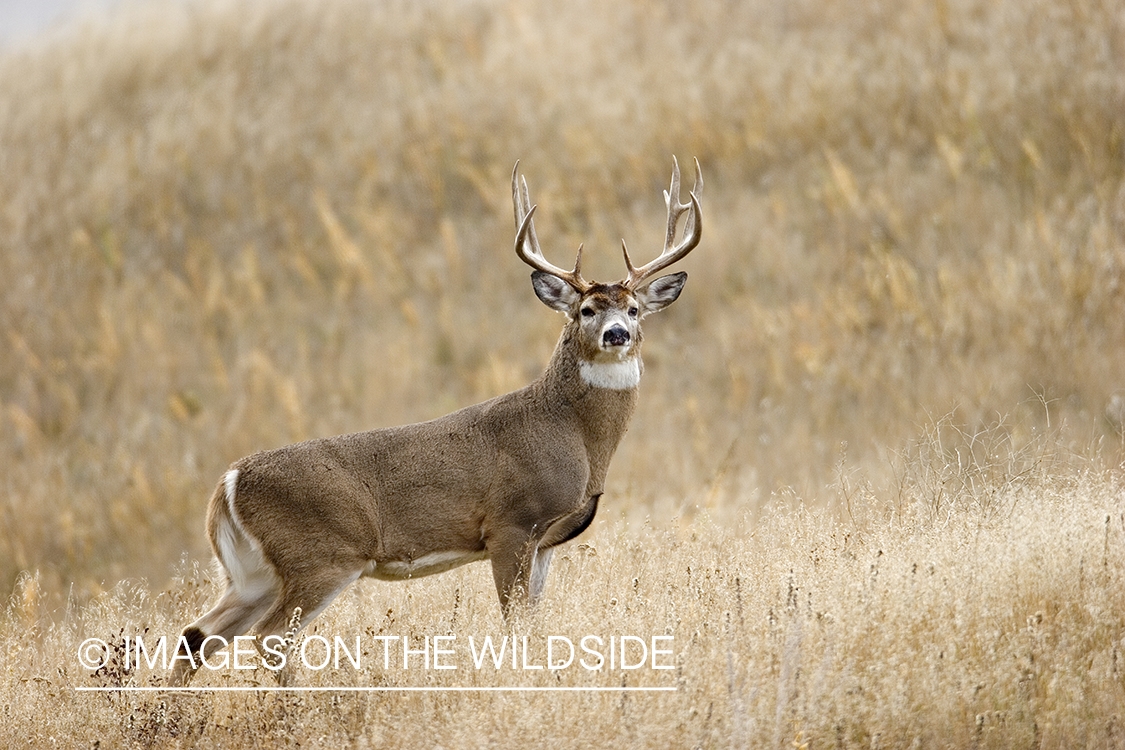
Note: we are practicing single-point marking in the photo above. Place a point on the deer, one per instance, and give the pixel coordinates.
(507, 480)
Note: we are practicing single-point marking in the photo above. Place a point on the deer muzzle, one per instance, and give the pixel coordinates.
(615, 336)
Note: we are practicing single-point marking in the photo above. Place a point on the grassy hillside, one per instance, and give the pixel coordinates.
(228, 226)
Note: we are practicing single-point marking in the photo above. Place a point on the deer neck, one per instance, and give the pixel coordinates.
(598, 396)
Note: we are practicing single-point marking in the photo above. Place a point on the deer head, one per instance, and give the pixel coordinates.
(607, 316)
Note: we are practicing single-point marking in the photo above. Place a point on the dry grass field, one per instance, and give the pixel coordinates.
(873, 488)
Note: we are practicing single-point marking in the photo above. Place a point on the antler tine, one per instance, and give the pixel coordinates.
(697, 193)
(672, 201)
(693, 228)
(527, 244)
(521, 201)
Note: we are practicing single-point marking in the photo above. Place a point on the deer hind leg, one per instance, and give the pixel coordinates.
(310, 595)
(252, 585)
(244, 602)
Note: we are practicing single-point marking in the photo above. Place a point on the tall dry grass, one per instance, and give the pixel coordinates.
(990, 619)
(227, 226)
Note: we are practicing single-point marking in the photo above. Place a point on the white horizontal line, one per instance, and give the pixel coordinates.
(500, 689)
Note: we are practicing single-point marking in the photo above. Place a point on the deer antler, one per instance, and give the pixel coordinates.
(693, 229)
(527, 244)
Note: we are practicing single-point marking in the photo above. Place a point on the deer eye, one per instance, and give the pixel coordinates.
(633, 312)
(587, 312)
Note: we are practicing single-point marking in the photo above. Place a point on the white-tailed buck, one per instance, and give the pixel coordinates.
(506, 480)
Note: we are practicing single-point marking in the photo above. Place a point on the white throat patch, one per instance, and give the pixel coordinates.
(618, 376)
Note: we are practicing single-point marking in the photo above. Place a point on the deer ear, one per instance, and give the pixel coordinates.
(658, 294)
(554, 292)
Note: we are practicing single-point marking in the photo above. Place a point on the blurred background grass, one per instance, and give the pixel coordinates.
(227, 226)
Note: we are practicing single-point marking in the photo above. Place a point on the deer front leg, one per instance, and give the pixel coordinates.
(518, 578)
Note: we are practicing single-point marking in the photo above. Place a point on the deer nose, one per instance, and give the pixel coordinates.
(615, 336)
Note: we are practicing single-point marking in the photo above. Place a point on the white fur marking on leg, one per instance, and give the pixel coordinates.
(539, 573)
(251, 574)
